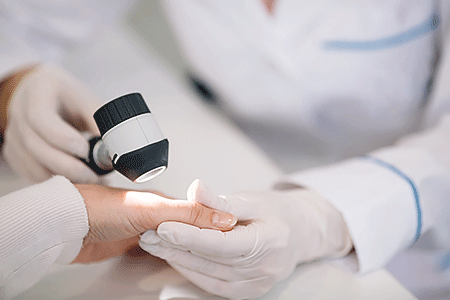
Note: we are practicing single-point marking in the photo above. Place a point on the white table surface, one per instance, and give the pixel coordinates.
(202, 145)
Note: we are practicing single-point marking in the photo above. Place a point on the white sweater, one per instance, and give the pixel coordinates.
(39, 225)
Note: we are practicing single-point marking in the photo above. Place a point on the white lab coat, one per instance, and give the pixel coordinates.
(333, 78)
(47, 30)
(321, 80)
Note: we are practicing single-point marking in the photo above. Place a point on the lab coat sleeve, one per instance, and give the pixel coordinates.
(39, 225)
(15, 55)
(46, 31)
(389, 197)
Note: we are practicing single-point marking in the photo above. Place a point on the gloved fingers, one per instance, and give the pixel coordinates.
(198, 191)
(50, 126)
(151, 240)
(52, 111)
(57, 161)
(245, 289)
(201, 265)
(150, 237)
(240, 241)
(235, 205)
(81, 103)
(21, 162)
(54, 89)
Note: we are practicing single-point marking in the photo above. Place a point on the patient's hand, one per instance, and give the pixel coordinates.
(117, 217)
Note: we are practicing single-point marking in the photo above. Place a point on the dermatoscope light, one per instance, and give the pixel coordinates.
(131, 141)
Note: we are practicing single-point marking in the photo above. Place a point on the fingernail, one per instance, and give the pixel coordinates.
(223, 220)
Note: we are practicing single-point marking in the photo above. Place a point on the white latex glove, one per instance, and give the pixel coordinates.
(46, 114)
(276, 231)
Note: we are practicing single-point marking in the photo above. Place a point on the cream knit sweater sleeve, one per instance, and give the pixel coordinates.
(39, 225)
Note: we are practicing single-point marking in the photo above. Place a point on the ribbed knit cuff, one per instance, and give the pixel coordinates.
(41, 217)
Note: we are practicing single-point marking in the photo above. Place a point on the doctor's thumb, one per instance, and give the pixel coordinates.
(200, 193)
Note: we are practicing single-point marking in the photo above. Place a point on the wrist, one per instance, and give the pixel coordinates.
(337, 237)
(339, 241)
(326, 226)
(96, 199)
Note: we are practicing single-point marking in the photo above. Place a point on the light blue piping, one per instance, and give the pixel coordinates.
(429, 25)
(413, 187)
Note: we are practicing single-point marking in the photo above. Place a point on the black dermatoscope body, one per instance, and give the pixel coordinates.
(131, 141)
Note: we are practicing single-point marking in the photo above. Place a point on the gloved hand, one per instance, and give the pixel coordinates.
(276, 231)
(47, 113)
(116, 218)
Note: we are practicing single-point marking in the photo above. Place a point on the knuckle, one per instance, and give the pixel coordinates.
(196, 214)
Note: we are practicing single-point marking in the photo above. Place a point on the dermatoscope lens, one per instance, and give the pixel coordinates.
(150, 174)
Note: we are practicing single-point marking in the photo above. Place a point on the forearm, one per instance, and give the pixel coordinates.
(390, 197)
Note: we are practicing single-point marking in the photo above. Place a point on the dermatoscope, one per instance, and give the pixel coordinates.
(131, 141)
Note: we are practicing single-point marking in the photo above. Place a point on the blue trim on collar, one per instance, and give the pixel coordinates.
(388, 42)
